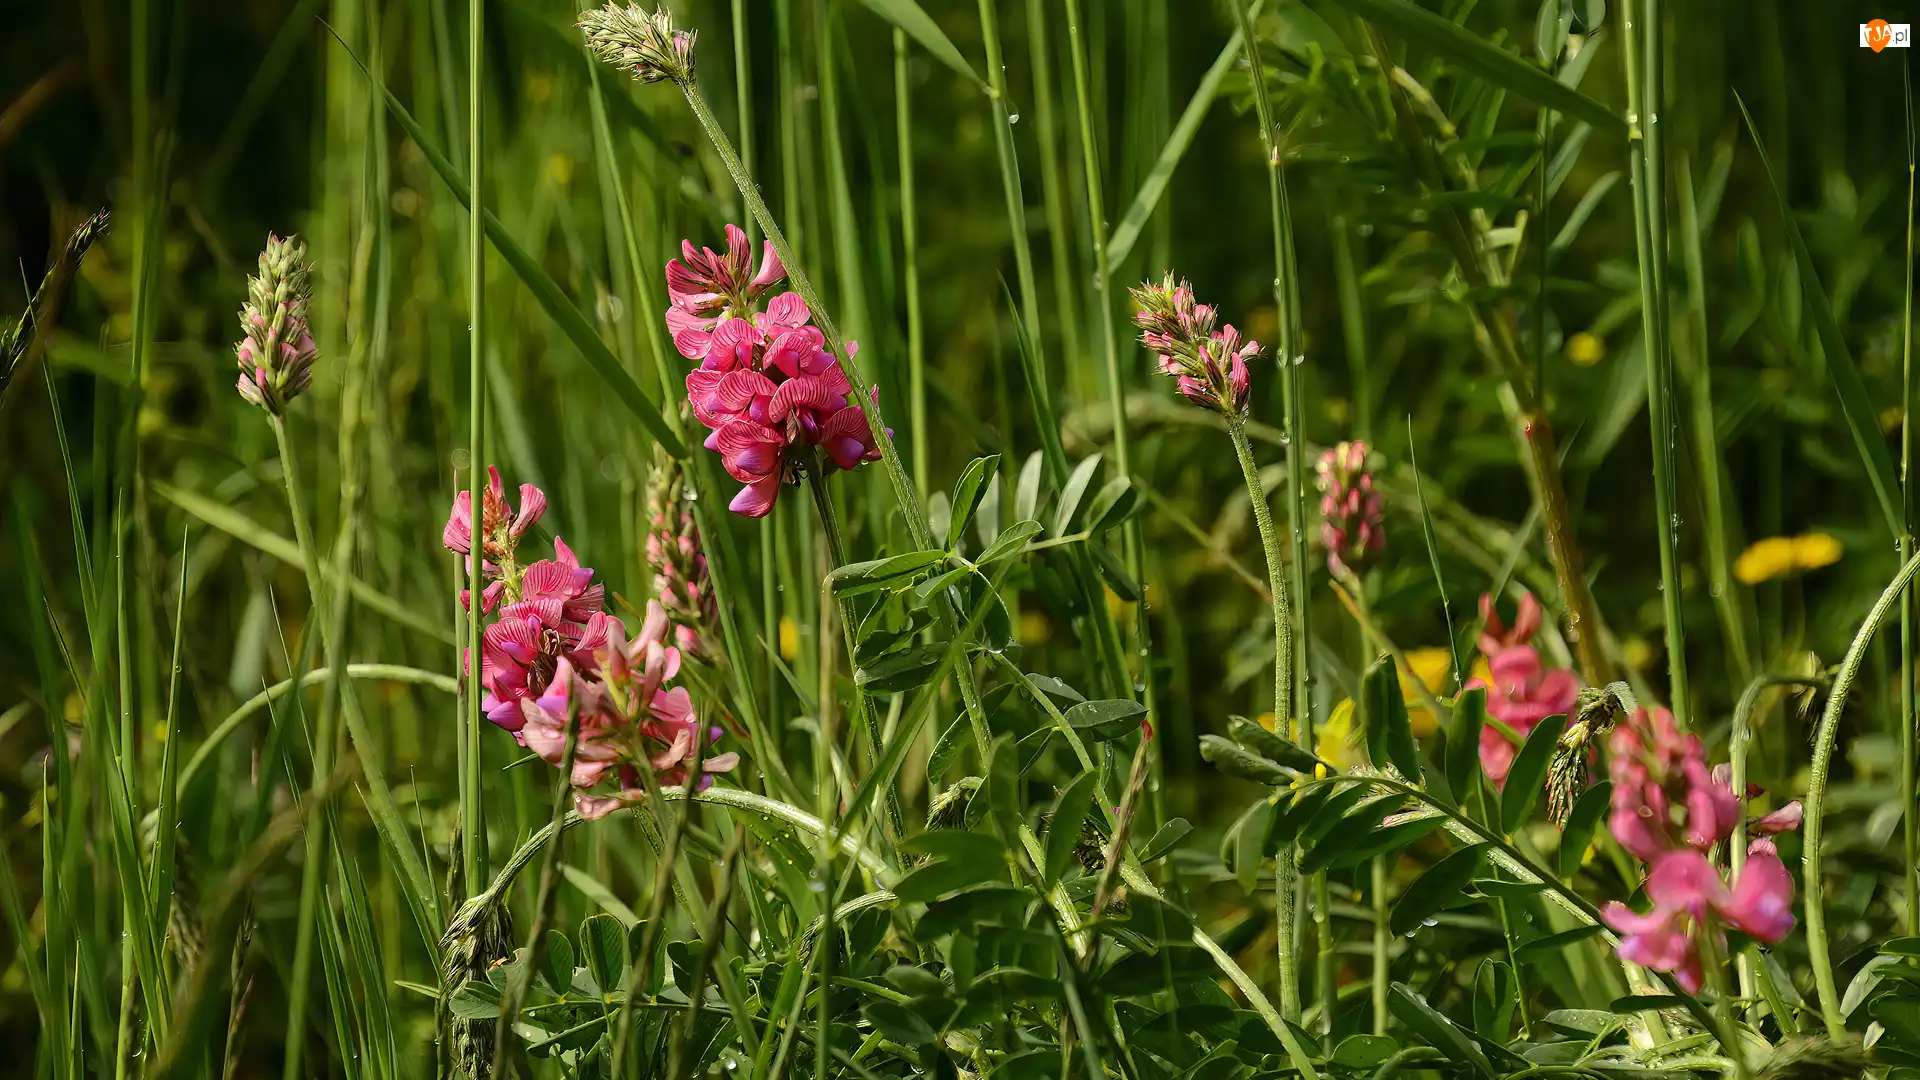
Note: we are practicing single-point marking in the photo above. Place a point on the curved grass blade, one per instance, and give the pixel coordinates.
(911, 17)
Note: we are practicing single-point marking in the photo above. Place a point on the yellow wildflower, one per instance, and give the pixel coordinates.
(1333, 742)
(1433, 666)
(789, 639)
(1785, 556)
(1034, 628)
(560, 169)
(1586, 349)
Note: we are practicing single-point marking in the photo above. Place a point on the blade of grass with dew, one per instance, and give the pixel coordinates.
(1694, 363)
(1120, 244)
(1640, 45)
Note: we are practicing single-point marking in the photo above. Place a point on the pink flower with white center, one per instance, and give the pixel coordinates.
(1209, 366)
(1521, 689)
(773, 397)
(1352, 529)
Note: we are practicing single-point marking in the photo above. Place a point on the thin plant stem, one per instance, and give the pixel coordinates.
(1053, 192)
(324, 738)
(1725, 1028)
(910, 249)
(862, 707)
(1643, 63)
(1910, 604)
(1818, 955)
(543, 898)
(1739, 741)
(472, 834)
(1286, 297)
(743, 89)
(1283, 686)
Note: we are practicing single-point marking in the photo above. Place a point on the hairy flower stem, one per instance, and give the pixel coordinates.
(1818, 955)
(324, 738)
(849, 624)
(1284, 873)
(1725, 1029)
(1286, 298)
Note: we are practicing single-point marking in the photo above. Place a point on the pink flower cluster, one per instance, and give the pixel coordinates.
(679, 563)
(1669, 811)
(773, 398)
(277, 352)
(1209, 366)
(550, 641)
(1521, 691)
(1351, 529)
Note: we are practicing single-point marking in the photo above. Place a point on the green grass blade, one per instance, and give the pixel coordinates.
(1155, 185)
(1862, 421)
(255, 535)
(1504, 69)
(911, 17)
(546, 292)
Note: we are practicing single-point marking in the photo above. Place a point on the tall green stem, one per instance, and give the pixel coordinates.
(472, 834)
(1818, 956)
(1642, 48)
(1910, 402)
(1053, 191)
(1286, 297)
(910, 244)
(324, 738)
(1284, 875)
(1116, 387)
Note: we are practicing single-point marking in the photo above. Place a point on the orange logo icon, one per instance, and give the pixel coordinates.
(1879, 34)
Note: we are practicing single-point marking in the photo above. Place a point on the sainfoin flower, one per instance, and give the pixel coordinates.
(679, 564)
(629, 721)
(773, 398)
(276, 354)
(1351, 528)
(643, 43)
(1669, 810)
(1521, 689)
(550, 646)
(1209, 366)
